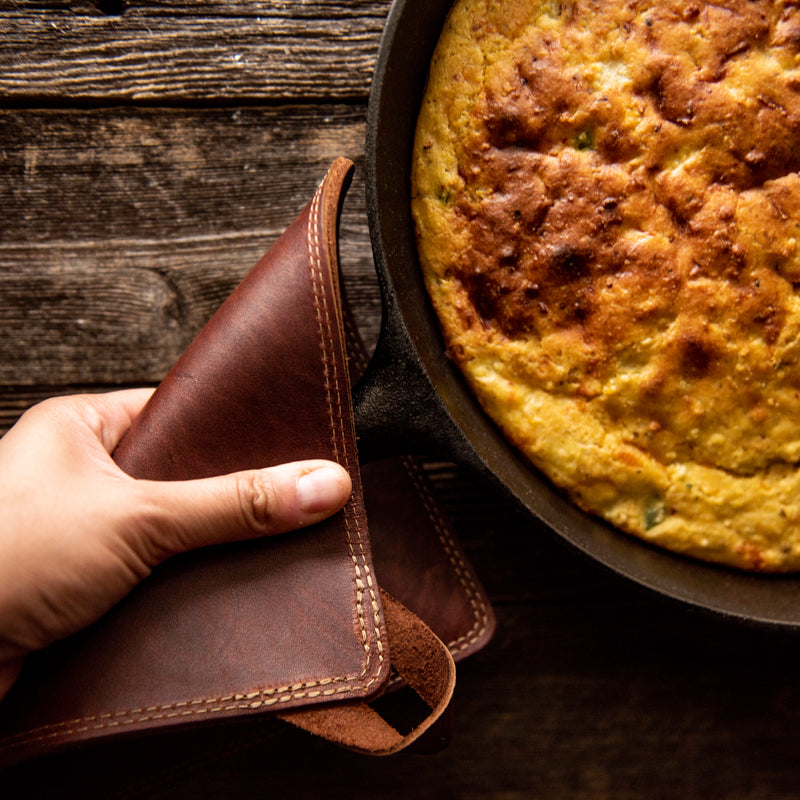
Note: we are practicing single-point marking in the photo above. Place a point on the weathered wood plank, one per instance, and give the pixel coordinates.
(123, 230)
(301, 9)
(179, 52)
(113, 311)
(151, 173)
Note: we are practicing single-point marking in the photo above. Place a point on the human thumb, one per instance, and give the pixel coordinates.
(182, 515)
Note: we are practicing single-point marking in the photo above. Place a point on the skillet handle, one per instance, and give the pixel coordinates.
(396, 407)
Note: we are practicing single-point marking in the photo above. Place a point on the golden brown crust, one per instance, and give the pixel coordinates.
(608, 210)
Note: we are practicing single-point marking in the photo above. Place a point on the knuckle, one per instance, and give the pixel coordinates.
(51, 410)
(257, 501)
(153, 535)
(56, 412)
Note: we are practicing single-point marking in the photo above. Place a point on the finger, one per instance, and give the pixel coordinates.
(187, 514)
(110, 415)
(105, 416)
(53, 428)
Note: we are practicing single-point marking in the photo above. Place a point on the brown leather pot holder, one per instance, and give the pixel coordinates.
(299, 627)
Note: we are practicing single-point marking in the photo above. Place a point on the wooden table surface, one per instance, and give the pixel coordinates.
(150, 150)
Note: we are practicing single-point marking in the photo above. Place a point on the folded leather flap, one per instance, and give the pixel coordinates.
(273, 623)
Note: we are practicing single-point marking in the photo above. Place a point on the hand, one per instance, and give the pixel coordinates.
(77, 533)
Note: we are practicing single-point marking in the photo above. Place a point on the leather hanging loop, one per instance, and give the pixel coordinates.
(421, 660)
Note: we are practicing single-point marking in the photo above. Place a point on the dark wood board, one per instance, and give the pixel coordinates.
(149, 153)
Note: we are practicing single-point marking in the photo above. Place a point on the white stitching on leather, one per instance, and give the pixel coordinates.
(334, 392)
(185, 709)
(463, 573)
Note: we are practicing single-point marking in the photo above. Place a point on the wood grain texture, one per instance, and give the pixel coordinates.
(179, 52)
(125, 229)
(143, 169)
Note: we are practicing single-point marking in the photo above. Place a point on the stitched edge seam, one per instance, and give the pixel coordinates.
(120, 719)
(463, 573)
(336, 419)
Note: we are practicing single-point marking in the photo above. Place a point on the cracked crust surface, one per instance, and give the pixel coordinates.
(607, 204)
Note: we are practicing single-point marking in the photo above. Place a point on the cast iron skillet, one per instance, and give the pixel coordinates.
(412, 399)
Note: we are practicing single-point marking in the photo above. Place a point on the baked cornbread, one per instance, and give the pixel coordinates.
(607, 204)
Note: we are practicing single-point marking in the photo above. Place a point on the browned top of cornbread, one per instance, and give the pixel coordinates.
(608, 209)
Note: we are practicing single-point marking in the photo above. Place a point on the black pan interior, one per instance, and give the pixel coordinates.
(410, 35)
